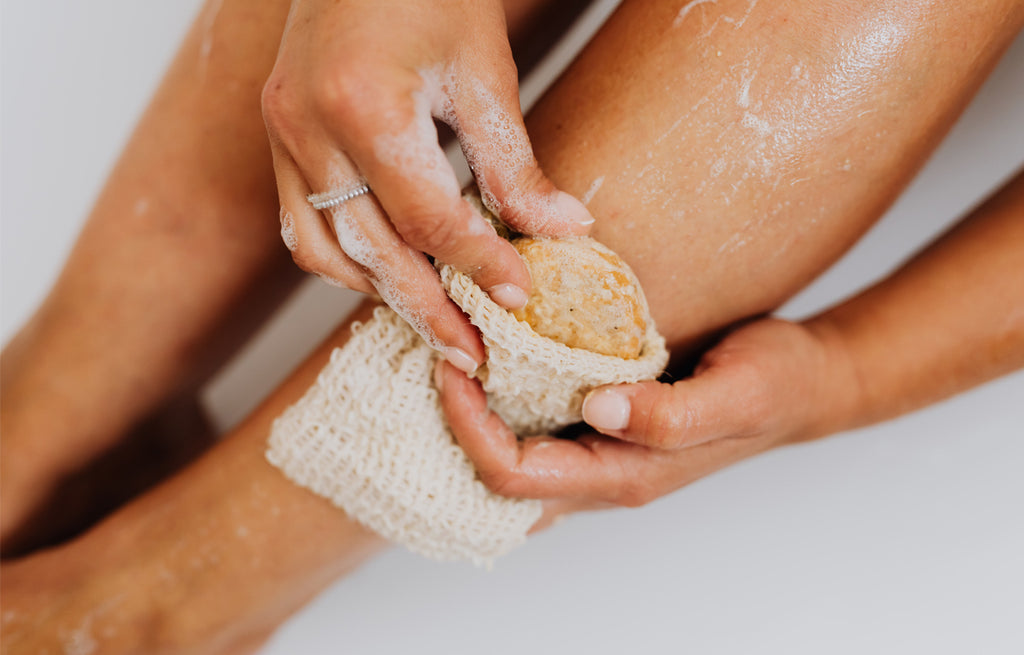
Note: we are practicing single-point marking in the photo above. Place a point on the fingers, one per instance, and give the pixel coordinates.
(364, 250)
(489, 123)
(594, 468)
(718, 402)
(581, 474)
(385, 133)
(401, 275)
(305, 233)
(419, 191)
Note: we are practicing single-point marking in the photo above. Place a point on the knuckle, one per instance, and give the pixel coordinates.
(637, 493)
(349, 94)
(280, 108)
(519, 197)
(502, 481)
(427, 230)
(308, 259)
(530, 181)
(757, 403)
(667, 421)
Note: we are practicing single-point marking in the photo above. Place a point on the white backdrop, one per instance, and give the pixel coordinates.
(906, 537)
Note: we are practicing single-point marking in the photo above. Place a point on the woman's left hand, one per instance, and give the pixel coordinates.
(768, 383)
(350, 106)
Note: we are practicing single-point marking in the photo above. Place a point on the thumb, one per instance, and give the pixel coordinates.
(489, 124)
(716, 403)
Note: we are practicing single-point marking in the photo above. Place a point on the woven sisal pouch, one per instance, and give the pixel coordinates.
(370, 435)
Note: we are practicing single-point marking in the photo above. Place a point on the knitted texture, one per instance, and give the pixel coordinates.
(536, 384)
(370, 435)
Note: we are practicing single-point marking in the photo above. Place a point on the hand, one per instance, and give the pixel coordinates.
(352, 96)
(766, 384)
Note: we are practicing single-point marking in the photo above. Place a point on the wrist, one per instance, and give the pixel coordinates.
(841, 394)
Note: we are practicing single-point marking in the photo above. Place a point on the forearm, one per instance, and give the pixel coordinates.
(949, 319)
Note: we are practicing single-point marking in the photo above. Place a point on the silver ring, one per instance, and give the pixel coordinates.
(329, 199)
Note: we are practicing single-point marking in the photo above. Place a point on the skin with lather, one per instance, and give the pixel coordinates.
(760, 140)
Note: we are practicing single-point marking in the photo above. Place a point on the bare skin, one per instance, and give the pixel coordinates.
(623, 88)
(197, 173)
(342, 103)
(825, 146)
(126, 579)
(949, 319)
(193, 200)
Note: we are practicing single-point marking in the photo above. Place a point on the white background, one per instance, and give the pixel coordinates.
(903, 538)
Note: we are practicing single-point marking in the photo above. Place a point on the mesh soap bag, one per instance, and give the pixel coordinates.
(370, 435)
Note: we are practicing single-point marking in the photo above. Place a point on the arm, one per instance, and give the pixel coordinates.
(603, 120)
(951, 318)
(749, 145)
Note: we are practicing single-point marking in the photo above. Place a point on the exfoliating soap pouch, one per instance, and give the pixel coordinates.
(371, 437)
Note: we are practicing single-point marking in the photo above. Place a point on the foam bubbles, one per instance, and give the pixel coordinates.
(595, 186)
(358, 242)
(743, 97)
(687, 8)
(414, 149)
(291, 241)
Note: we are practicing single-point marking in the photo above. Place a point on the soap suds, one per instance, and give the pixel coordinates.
(743, 98)
(739, 23)
(414, 150)
(495, 145)
(291, 241)
(355, 239)
(595, 186)
(80, 640)
(206, 45)
(759, 125)
(415, 153)
(681, 16)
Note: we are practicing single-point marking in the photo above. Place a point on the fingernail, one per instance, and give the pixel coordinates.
(508, 296)
(439, 375)
(460, 359)
(606, 409)
(572, 209)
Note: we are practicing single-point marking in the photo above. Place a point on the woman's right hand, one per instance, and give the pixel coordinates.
(352, 96)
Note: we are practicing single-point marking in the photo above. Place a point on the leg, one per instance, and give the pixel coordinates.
(716, 277)
(192, 209)
(201, 563)
(743, 146)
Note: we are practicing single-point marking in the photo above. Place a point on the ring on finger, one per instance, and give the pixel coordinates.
(336, 197)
